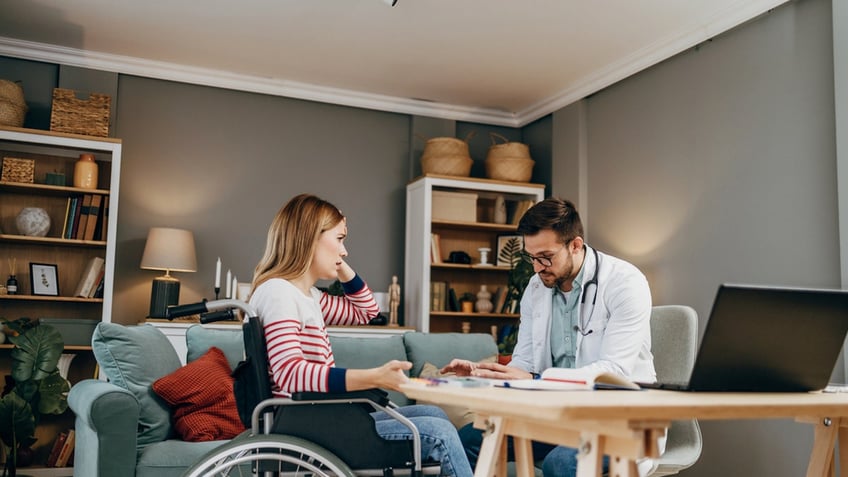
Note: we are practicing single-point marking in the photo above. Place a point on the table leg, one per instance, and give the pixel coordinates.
(492, 459)
(590, 455)
(821, 458)
(523, 457)
(843, 447)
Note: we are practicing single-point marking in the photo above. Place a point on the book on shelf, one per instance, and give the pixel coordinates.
(67, 450)
(56, 449)
(567, 379)
(74, 226)
(65, 224)
(93, 216)
(438, 292)
(435, 248)
(453, 302)
(98, 284)
(89, 276)
(83, 218)
(104, 221)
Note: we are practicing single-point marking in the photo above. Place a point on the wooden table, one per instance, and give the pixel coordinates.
(626, 425)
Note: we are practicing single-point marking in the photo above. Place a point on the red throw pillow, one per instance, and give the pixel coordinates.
(201, 395)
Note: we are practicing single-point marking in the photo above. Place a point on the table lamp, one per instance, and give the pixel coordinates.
(171, 250)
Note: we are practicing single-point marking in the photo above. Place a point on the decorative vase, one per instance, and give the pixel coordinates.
(484, 255)
(12, 285)
(85, 172)
(484, 302)
(33, 222)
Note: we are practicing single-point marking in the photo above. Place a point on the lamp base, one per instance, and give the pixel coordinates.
(165, 293)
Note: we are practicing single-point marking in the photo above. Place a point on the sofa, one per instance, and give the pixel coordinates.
(124, 428)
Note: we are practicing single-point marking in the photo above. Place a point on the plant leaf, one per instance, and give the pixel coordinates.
(53, 393)
(17, 423)
(36, 353)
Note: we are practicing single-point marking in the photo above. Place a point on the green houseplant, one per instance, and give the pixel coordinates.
(36, 387)
(520, 272)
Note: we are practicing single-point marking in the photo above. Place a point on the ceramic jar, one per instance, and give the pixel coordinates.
(85, 172)
(33, 222)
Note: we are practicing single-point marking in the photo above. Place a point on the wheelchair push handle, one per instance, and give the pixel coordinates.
(210, 307)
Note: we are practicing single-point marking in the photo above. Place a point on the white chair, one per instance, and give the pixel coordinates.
(674, 343)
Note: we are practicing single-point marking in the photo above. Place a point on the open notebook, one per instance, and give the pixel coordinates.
(769, 339)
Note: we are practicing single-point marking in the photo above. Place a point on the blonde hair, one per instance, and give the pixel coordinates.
(293, 236)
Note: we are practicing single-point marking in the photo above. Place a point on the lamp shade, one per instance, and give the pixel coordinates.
(170, 250)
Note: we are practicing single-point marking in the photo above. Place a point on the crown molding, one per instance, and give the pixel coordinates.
(741, 12)
(222, 79)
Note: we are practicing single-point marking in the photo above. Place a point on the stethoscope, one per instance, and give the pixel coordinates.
(591, 309)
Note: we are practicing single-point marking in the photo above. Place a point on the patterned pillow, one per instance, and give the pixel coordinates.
(201, 394)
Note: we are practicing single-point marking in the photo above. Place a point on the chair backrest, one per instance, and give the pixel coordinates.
(251, 383)
(674, 342)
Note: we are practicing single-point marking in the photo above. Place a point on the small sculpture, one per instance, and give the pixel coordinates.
(394, 301)
(33, 222)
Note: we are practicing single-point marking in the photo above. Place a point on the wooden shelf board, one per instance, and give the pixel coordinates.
(459, 314)
(24, 187)
(64, 299)
(475, 225)
(23, 239)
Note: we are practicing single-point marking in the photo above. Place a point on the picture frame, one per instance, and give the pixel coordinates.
(44, 279)
(508, 247)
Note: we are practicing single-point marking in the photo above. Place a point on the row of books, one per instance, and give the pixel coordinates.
(444, 298)
(90, 284)
(86, 217)
(61, 454)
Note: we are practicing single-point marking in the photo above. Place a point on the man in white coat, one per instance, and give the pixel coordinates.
(581, 309)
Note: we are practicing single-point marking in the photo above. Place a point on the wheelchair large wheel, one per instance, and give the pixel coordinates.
(269, 455)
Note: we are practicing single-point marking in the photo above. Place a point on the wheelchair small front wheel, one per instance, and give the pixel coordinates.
(269, 454)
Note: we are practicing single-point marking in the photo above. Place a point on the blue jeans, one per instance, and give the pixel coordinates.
(439, 439)
(558, 461)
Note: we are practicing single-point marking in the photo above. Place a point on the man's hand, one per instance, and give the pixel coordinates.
(463, 367)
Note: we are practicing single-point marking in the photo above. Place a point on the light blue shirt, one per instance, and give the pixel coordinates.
(566, 314)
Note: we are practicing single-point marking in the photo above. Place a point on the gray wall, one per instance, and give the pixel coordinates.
(716, 166)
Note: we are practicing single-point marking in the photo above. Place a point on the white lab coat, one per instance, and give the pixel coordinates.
(620, 340)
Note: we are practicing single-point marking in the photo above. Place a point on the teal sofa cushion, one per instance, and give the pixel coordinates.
(200, 338)
(132, 357)
(439, 349)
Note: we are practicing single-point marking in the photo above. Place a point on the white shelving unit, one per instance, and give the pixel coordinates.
(465, 236)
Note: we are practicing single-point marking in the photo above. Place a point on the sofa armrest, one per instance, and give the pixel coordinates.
(106, 428)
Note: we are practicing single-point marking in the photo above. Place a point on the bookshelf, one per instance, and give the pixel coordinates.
(56, 153)
(457, 235)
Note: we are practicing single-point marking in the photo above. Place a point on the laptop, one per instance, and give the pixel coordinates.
(769, 339)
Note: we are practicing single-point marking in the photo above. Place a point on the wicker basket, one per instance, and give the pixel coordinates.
(509, 161)
(12, 114)
(80, 116)
(18, 170)
(13, 108)
(446, 156)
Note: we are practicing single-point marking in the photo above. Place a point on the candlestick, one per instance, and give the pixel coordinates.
(229, 293)
(235, 288)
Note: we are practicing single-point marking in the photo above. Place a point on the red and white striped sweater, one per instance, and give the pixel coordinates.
(299, 350)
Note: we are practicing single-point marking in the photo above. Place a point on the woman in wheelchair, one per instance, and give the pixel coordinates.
(305, 244)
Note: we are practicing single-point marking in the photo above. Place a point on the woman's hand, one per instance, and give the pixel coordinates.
(387, 376)
(463, 367)
(346, 273)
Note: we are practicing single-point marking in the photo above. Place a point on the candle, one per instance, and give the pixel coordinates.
(229, 293)
(235, 288)
(218, 274)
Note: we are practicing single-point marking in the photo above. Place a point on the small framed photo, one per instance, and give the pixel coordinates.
(44, 279)
(509, 249)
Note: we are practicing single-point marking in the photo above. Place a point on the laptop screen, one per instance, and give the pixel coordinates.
(771, 339)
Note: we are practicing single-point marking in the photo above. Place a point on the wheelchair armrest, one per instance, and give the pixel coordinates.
(375, 395)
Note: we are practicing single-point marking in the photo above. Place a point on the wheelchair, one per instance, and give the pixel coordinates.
(308, 434)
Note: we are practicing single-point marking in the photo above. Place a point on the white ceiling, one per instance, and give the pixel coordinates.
(505, 62)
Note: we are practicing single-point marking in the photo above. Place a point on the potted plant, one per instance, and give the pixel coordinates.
(466, 302)
(520, 272)
(36, 388)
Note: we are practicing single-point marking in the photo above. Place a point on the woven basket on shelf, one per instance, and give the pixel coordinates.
(509, 161)
(446, 156)
(80, 116)
(13, 108)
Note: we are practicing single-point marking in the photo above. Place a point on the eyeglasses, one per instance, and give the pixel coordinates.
(543, 261)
